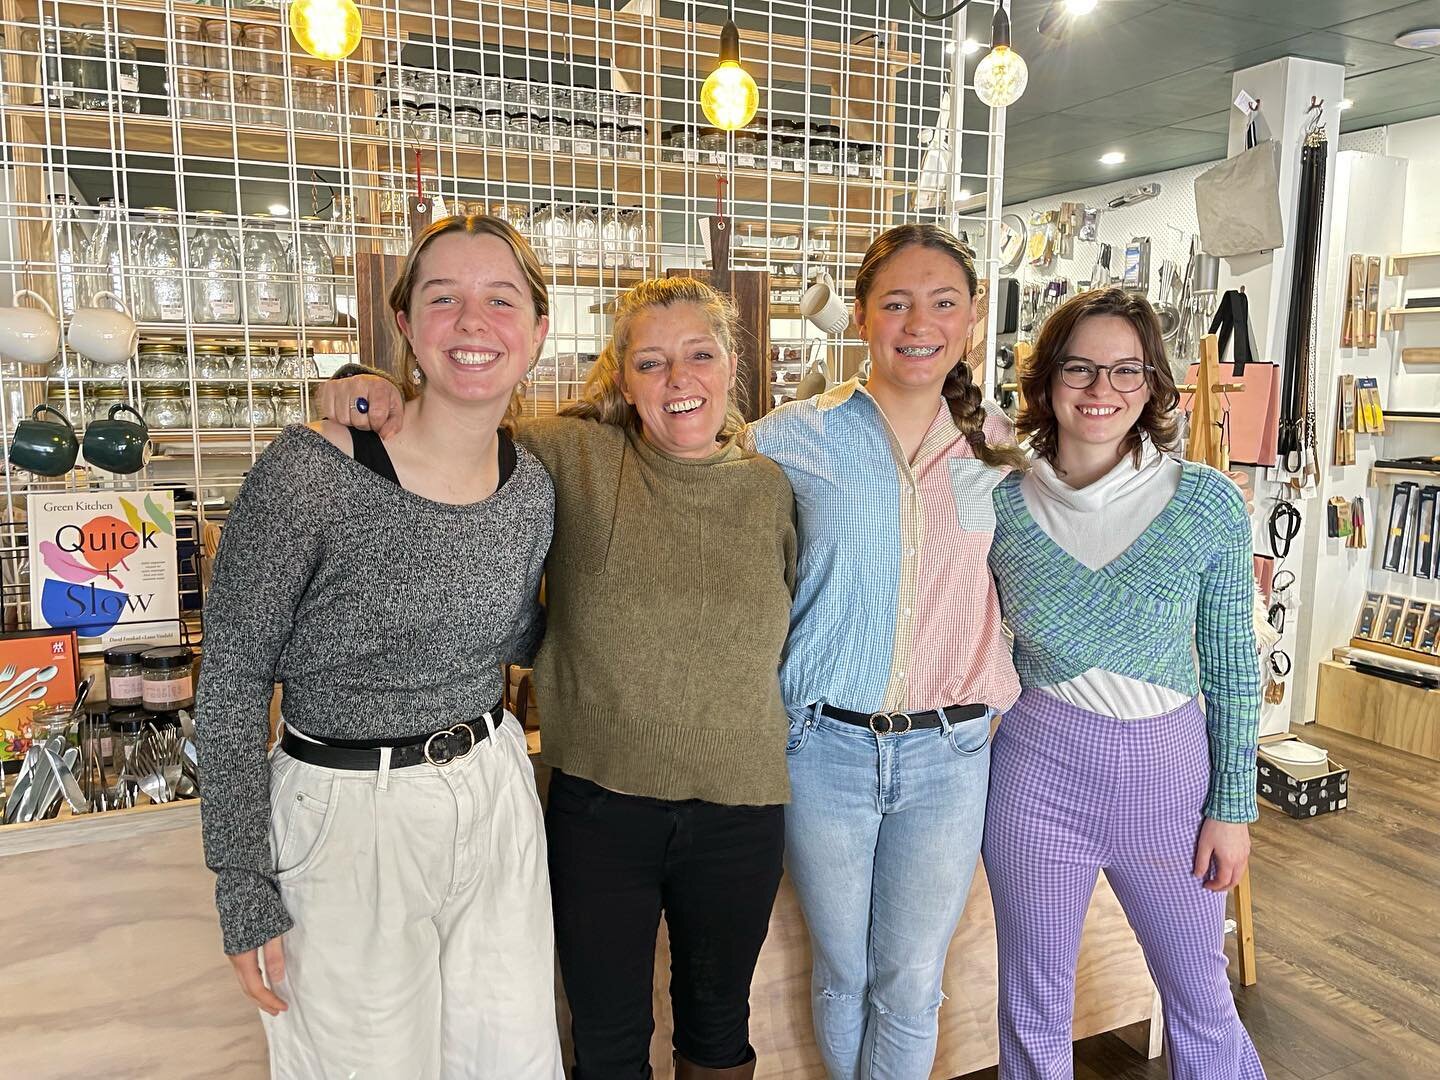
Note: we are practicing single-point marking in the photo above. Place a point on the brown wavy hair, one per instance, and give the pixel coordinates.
(603, 396)
(1157, 419)
(472, 225)
(966, 403)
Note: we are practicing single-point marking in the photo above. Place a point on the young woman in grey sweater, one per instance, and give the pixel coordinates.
(387, 861)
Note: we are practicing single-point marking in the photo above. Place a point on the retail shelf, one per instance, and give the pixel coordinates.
(1400, 264)
(1388, 471)
(1395, 316)
(235, 440)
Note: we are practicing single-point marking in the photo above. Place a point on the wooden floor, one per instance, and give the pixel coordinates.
(1347, 933)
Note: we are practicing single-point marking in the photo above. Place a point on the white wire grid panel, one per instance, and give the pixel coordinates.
(579, 124)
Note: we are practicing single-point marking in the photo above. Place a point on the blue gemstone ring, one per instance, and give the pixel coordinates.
(362, 405)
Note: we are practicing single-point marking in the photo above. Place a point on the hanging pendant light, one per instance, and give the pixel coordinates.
(326, 29)
(1002, 76)
(729, 97)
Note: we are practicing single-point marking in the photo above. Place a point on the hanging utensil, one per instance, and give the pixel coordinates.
(1165, 311)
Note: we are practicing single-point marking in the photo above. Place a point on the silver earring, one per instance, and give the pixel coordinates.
(416, 375)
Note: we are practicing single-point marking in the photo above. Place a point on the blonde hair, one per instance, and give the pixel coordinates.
(603, 395)
(471, 225)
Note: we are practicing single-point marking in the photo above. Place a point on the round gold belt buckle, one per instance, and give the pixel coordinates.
(889, 719)
(448, 757)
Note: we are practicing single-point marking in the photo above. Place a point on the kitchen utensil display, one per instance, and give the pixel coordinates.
(1136, 195)
(1136, 274)
(1425, 531)
(1397, 533)
(1165, 310)
(116, 445)
(46, 448)
(106, 335)
(27, 334)
(1100, 272)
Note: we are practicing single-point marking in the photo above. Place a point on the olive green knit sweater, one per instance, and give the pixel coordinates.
(668, 588)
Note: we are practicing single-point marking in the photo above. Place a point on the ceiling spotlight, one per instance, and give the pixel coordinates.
(1060, 15)
(1424, 38)
(1114, 157)
(279, 209)
(970, 46)
(1346, 103)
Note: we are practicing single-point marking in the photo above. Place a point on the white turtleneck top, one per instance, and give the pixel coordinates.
(1095, 525)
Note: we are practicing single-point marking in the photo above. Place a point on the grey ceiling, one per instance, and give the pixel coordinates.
(1152, 78)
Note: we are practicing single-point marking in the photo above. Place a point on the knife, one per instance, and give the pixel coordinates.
(69, 786)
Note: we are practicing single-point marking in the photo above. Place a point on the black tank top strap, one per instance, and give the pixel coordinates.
(507, 457)
(370, 451)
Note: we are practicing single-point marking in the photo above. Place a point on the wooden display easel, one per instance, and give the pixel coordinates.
(1206, 444)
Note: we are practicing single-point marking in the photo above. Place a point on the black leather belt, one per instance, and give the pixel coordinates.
(439, 748)
(898, 723)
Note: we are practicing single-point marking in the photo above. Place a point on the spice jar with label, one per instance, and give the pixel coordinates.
(517, 130)
(584, 132)
(432, 122)
(125, 675)
(495, 127)
(825, 148)
(469, 130)
(169, 682)
(712, 145)
(747, 148)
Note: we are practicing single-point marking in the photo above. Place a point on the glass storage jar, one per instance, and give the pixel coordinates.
(259, 50)
(584, 132)
(212, 407)
(66, 401)
(215, 264)
(124, 675)
(256, 409)
(99, 400)
(117, 371)
(516, 96)
(747, 149)
(490, 90)
(466, 85)
(269, 276)
(296, 363)
(711, 144)
(126, 728)
(155, 251)
(495, 127)
(432, 122)
(90, 44)
(584, 99)
(317, 274)
(669, 151)
(792, 150)
(212, 362)
(630, 143)
(168, 680)
(256, 362)
(562, 101)
(166, 408)
(586, 226)
(558, 134)
(289, 406)
(824, 148)
(400, 114)
(163, 361)
(517, 130)
(627, 106)
(469, 129)
(869, 159)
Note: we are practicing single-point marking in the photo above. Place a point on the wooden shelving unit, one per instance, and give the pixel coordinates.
(1395, 317)
(1400, 264)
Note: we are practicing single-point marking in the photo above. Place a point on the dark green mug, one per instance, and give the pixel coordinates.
(117, 446)
(43, 446)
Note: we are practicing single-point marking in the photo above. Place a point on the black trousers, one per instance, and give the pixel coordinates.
(616, 863)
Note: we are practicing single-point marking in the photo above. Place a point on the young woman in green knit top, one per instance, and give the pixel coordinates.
(668, 586)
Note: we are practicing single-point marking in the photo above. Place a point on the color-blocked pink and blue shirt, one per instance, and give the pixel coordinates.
(895, 608)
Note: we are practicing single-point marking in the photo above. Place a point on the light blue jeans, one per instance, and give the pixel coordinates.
(881, 840)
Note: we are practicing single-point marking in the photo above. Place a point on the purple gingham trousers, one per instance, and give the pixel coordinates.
(1073, 793)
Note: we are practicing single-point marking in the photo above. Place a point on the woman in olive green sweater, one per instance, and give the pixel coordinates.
(668, 585)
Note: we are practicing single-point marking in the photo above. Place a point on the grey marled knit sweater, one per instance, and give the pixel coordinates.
(384, 614)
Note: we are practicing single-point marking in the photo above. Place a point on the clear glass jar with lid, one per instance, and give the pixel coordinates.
(255, 407)
(256, 362)
(586, 225)
(432, 122)
(607, 136)
(155, 251)
(494, 120)
(215, 264)
(584, 131)
(116, 371)
(163, 361)
(296, 363)
(747, 149)
(631, 142)
(400, 115)
(100, 399)
(711, 145)
(317, 274)
(517, 130)
(269, 276)
(167, 408)
(289, 406)
(669, 150)
(212, 362)
(469, 128)
(213, 410)
(516, 96)
(66, 401)
(825, 148)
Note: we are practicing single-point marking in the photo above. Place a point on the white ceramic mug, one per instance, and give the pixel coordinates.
(105, 335)
(28, 334)
(822, 305)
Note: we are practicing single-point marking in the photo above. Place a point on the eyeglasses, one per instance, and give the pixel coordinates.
(1124, 378)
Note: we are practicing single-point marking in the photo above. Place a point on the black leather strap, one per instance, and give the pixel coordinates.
(438, 748)
(887, 723)
(1232, 320)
